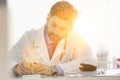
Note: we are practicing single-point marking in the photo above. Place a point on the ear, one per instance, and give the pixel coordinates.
(48, 17)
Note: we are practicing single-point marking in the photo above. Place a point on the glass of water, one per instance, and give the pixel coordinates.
(102, 61)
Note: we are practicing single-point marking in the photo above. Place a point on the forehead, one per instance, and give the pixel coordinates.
(60, 22)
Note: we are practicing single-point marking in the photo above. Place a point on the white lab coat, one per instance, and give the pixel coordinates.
(69, 53)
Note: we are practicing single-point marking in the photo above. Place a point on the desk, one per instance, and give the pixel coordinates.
(111, 75)
(72, 78)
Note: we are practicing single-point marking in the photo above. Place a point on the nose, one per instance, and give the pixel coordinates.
(56, 31)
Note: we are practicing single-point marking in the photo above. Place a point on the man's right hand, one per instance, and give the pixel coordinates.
(24, 68)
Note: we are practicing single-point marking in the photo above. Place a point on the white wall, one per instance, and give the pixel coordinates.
(98, 20)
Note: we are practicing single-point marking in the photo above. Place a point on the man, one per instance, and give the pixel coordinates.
(54, 49)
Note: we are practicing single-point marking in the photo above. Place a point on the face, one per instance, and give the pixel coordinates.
(57, 28)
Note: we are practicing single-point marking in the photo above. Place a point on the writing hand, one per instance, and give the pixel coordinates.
(24, 68)
(42, 69)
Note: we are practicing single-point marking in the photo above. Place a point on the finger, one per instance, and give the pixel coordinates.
(88, 68)
(37, 66)
(25, 67)
(34, 64)
(82, 64)
(37, 70)
(82, 68)
(42, 72)
(26, 64)
(24, 70)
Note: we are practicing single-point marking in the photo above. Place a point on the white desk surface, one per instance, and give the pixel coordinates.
(111, 75)
(71, 78)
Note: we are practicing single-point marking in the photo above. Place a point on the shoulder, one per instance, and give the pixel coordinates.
(29, 36)
(32, 33)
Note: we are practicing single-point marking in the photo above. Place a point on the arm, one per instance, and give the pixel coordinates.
(19, 54)
(82, 54)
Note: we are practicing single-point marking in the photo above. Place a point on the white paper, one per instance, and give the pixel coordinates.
(32, 76)
(110, 72)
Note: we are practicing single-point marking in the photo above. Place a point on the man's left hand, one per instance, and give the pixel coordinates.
(87, 67)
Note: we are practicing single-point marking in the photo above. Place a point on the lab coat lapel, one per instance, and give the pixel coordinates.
(42, 48)
(59, 50)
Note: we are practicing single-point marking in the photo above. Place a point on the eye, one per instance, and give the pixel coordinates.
(53, 24)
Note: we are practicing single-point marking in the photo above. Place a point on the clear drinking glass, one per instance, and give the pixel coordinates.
(102, 61)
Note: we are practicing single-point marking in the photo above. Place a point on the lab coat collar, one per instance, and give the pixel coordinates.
(59, 49)
(41, 40)
(42, 50)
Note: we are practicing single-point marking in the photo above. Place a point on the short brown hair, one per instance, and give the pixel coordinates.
(64, 10)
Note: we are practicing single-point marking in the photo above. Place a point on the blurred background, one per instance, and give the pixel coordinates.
(98, 21)
(3, 40)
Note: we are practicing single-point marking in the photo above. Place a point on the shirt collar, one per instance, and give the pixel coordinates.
(46, 36)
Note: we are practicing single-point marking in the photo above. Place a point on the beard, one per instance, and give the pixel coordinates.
(54, 37)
